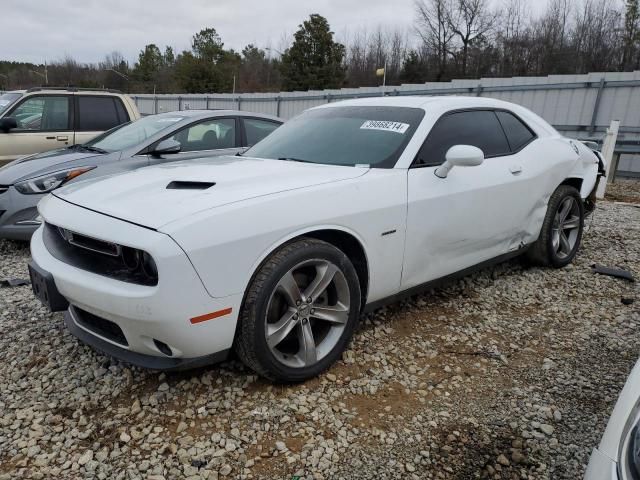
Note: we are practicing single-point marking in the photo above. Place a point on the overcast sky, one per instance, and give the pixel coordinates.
(39, 30)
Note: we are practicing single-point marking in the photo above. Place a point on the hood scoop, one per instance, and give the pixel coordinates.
(185, 185)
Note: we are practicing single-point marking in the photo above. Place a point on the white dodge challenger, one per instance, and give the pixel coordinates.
(275, 254)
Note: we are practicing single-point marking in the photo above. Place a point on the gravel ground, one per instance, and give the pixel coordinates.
(510, 374)
(624, 190)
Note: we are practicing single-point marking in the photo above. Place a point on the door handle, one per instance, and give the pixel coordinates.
(62, 139)
(515, 169)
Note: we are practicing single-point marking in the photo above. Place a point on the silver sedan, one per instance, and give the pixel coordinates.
(167, 137)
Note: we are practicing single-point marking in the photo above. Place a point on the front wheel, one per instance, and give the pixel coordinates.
(561, 231)
(299, 312)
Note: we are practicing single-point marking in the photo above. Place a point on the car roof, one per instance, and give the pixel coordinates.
(198, 114)
(443, 103)
(448, 101)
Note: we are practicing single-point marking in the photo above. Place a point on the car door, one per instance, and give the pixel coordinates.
(207, 138)
(95, 114)
(475, 213)
(255, 129)
(44, 123)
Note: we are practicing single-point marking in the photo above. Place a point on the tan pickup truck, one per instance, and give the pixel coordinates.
(47, 118)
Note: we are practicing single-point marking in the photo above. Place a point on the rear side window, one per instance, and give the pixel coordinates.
(479, 128)
(517, 132)
(98, 113)
(256, 130)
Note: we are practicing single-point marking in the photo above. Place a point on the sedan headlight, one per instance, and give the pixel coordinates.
(49, 181)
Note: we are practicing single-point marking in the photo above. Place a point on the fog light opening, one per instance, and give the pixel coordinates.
(131, 258)
(163, 347)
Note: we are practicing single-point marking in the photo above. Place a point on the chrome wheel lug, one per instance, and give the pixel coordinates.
(313, 310)
(298, 302)
(309, 300)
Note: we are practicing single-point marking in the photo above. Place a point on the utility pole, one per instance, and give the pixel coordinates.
(384, 76)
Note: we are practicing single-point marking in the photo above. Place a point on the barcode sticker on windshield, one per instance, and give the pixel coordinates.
(385, 126)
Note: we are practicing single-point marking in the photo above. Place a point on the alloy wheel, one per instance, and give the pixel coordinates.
(307, 313)
(566, 227)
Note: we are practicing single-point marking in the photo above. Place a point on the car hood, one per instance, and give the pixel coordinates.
(33, 165)
(142, 196)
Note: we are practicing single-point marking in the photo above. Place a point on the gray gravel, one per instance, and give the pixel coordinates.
(511, 373)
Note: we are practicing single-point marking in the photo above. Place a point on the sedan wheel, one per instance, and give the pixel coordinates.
(307, 314)
(299, 311)
(566, 227)
(561, 230)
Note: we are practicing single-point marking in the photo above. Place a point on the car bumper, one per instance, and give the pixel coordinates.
(601, 467)
(18, 214)
(146, 318)
(153, 362)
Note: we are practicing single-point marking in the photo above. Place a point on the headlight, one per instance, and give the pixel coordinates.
(50, 181)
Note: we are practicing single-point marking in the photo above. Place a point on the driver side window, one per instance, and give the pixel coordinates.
(210, 135)
(43, 113)
(479, 128)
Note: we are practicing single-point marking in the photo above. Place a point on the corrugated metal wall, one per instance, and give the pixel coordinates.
(580, 106)
(563, 100)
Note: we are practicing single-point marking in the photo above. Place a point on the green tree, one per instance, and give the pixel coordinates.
(208, 67)
(207, 45)
(314, 60)
(150, 61)
(413, 69)
(169, 57)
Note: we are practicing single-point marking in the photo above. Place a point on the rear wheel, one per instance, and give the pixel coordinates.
(561, 231)
(299, 311)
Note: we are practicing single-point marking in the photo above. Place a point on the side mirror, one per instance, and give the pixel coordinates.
(460, 156)
(8, 123)
(166, 147)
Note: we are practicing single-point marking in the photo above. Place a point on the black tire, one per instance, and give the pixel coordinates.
(543, 252)
(251, 341)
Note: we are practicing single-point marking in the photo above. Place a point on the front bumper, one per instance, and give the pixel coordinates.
(145, 315)
(141, 360)
(18, 214)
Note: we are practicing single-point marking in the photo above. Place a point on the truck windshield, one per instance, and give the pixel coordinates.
(349, 135)
(7, 99)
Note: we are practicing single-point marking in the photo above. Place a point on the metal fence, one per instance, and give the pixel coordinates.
(580, 106)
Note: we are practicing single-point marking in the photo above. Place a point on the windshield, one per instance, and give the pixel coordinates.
(374, 136)
(7, 99)
(132, 134)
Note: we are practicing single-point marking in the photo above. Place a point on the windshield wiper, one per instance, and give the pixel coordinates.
(92, 149)
(293, 159)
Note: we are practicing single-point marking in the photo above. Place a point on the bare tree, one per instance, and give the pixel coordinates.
(630, 57)
(434, 29)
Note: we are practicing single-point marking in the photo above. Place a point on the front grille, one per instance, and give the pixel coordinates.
(100, 326)
(97, 256)
(90, 243)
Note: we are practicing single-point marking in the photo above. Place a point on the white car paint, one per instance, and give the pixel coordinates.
(413, 226)
(604, 461)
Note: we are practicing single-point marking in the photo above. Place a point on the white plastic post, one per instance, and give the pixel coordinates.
(608, 147)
